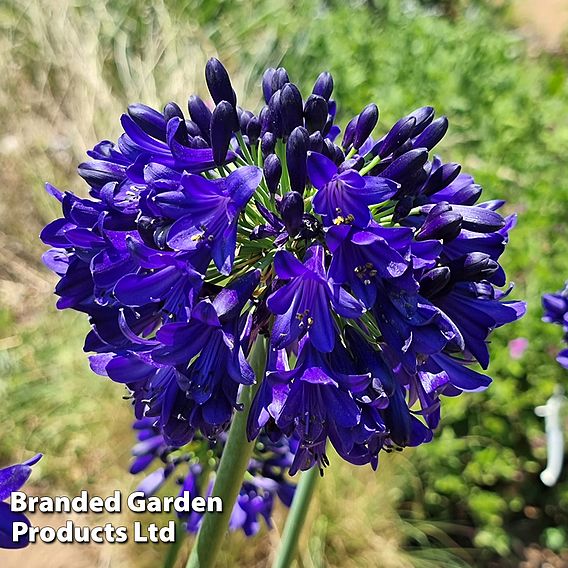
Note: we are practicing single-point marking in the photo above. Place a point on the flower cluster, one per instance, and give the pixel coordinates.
(12, 478)
(370, 266)
(193, 467)
(556, 311)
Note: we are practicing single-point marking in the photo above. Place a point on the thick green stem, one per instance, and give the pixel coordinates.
(296, 518)
(232, 468)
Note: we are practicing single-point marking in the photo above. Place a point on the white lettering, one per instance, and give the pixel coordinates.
(18, 501)
(19, 529)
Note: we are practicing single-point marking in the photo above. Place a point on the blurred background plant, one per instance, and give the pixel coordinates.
(68, 68)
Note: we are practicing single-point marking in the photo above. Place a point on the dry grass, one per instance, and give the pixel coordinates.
(68, 71)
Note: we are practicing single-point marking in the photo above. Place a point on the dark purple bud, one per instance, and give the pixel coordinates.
(176, 128)
(432, 134)
(467, 195)
(441, 177)
(355, 163)
(149, 120)
(328, 149)
(100, 172)
(171, 110)
(339, 155)
(441, 223)
(232, 298)
(253, 130)
(316, 142)
(267, 144)
(402, 149)
(192, 128)
(292, 210)
(272, 172)
(403, 208)
(265, 118)
(219, 83)
(275, 115)
(479, 219)
(149, 226)
(349, 134)
(244, 119)
(267, 83)
(200, 114)
(199, 142)
(279, 79)
(327, 127)
(473, 267)
(332, 107)
(311, 227)
(315, 113)
(365, 123)
(296, 156)
(222, 128)
(396, 136)
(406, 165)
(434, 281)
(291, 109)
(323, 85)
(423, 116)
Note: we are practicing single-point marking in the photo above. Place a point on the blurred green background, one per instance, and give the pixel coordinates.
(68, 68)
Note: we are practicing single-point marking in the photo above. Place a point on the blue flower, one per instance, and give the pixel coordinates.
(345, 196)
(206, 213)
(371, 267)
(266, 479)
(12, 478)
(304, 304)
(556, 311)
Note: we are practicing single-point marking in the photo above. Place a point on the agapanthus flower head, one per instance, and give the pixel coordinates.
(556, 311)
(370, 266)
(12, 478)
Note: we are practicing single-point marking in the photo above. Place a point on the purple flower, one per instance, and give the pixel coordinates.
(12, 478)
(345, 196)
(312, 402)
(556, 311)
(303, 305)
(371, 267)
(266, 475)
(206, 213)
(360, 257)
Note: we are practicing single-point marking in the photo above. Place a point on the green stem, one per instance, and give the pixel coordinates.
(350, 154)
(370, 165)
(244, 148)
(296, 518)
(232, 467)
(285, 179)
(173, 549)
